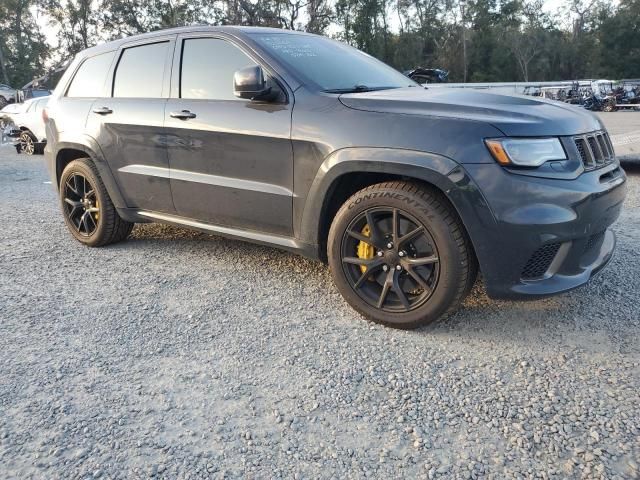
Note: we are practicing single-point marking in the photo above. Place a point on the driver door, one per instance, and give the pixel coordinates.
(231, 159)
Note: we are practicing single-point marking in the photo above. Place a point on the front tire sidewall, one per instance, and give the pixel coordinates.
(97, 236)
(433, 219)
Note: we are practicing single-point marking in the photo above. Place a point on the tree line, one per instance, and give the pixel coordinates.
(475, 40)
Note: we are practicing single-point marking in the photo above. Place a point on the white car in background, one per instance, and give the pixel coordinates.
(23, 124)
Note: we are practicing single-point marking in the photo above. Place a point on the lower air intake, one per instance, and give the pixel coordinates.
(540, 261)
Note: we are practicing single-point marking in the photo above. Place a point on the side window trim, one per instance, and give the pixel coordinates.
(77, 69)
(176, 70)
(170, 39)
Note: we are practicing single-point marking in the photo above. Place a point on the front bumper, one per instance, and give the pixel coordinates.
(14, 135)
(545, 236)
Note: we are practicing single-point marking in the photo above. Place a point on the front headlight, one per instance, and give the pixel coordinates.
(525, 152)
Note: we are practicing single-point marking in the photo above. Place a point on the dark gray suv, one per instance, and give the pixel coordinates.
(299, 142)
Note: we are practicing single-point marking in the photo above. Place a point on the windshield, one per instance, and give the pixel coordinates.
(332, 66)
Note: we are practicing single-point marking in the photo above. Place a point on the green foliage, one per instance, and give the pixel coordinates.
(476, 40)
(23, 50)
(619, 41)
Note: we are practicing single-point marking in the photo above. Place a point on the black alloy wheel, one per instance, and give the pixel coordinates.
(81, 204)
(399, 254)
(400, 270)
(87, 208)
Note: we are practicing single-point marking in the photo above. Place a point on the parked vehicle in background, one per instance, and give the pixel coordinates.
(602, 98)
(595, 95)
(30, 93)
(423, 75)
(23, 123)
(41, 86)
(532, 90)
(300, 142)
(7, 95)
(627, 95)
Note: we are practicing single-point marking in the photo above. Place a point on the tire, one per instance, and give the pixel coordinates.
(27, 143)
(87, 208)
(3, 102)
(437, 250)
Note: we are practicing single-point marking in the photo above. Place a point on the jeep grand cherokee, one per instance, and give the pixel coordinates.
(300, 142)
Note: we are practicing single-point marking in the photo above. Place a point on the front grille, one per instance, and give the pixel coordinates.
(540, 261)
(594, 241)
(595, 150)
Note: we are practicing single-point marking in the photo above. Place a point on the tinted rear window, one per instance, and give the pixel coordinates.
(90, 77)
(140, 71)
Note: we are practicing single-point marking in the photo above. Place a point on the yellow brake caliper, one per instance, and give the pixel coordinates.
(365, 250)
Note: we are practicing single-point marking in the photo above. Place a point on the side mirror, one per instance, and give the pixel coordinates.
(249, 83)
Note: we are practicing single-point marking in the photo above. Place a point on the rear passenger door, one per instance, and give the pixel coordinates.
(88, 83)
(128, 123)
(231, 161)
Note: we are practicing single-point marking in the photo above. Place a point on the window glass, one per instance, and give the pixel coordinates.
(37, 105)
(329, 64)
(140, 71)
(89, 79)
(208, 65)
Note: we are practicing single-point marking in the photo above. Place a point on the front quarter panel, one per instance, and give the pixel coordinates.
(330, 140)
(449, 177)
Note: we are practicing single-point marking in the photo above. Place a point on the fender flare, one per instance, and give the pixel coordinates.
(92, 149)
(442, 172)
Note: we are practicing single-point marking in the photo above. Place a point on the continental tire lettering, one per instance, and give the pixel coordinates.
(374, 195)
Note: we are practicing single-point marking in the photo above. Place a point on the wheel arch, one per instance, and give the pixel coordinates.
(66, 152)
(350, 170)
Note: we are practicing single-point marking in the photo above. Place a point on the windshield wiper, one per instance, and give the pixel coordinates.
(356, 89)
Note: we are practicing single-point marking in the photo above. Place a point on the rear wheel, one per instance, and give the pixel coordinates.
(399, 255)
(88, 211)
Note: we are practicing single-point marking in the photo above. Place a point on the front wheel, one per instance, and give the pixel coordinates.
(399, 255)
(27, 143)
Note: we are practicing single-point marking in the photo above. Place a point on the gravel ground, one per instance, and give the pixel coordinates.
(624, 129)
(183, 355)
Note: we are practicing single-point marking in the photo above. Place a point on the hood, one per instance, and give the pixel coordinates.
(13, 108)
(514, 115)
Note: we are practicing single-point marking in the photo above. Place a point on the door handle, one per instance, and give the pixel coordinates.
(102, 111)
(183, 114)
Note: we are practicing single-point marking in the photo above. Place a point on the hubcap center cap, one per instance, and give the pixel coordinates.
(391, 257)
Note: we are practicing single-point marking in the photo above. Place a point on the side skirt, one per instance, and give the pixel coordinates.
(285, 243)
